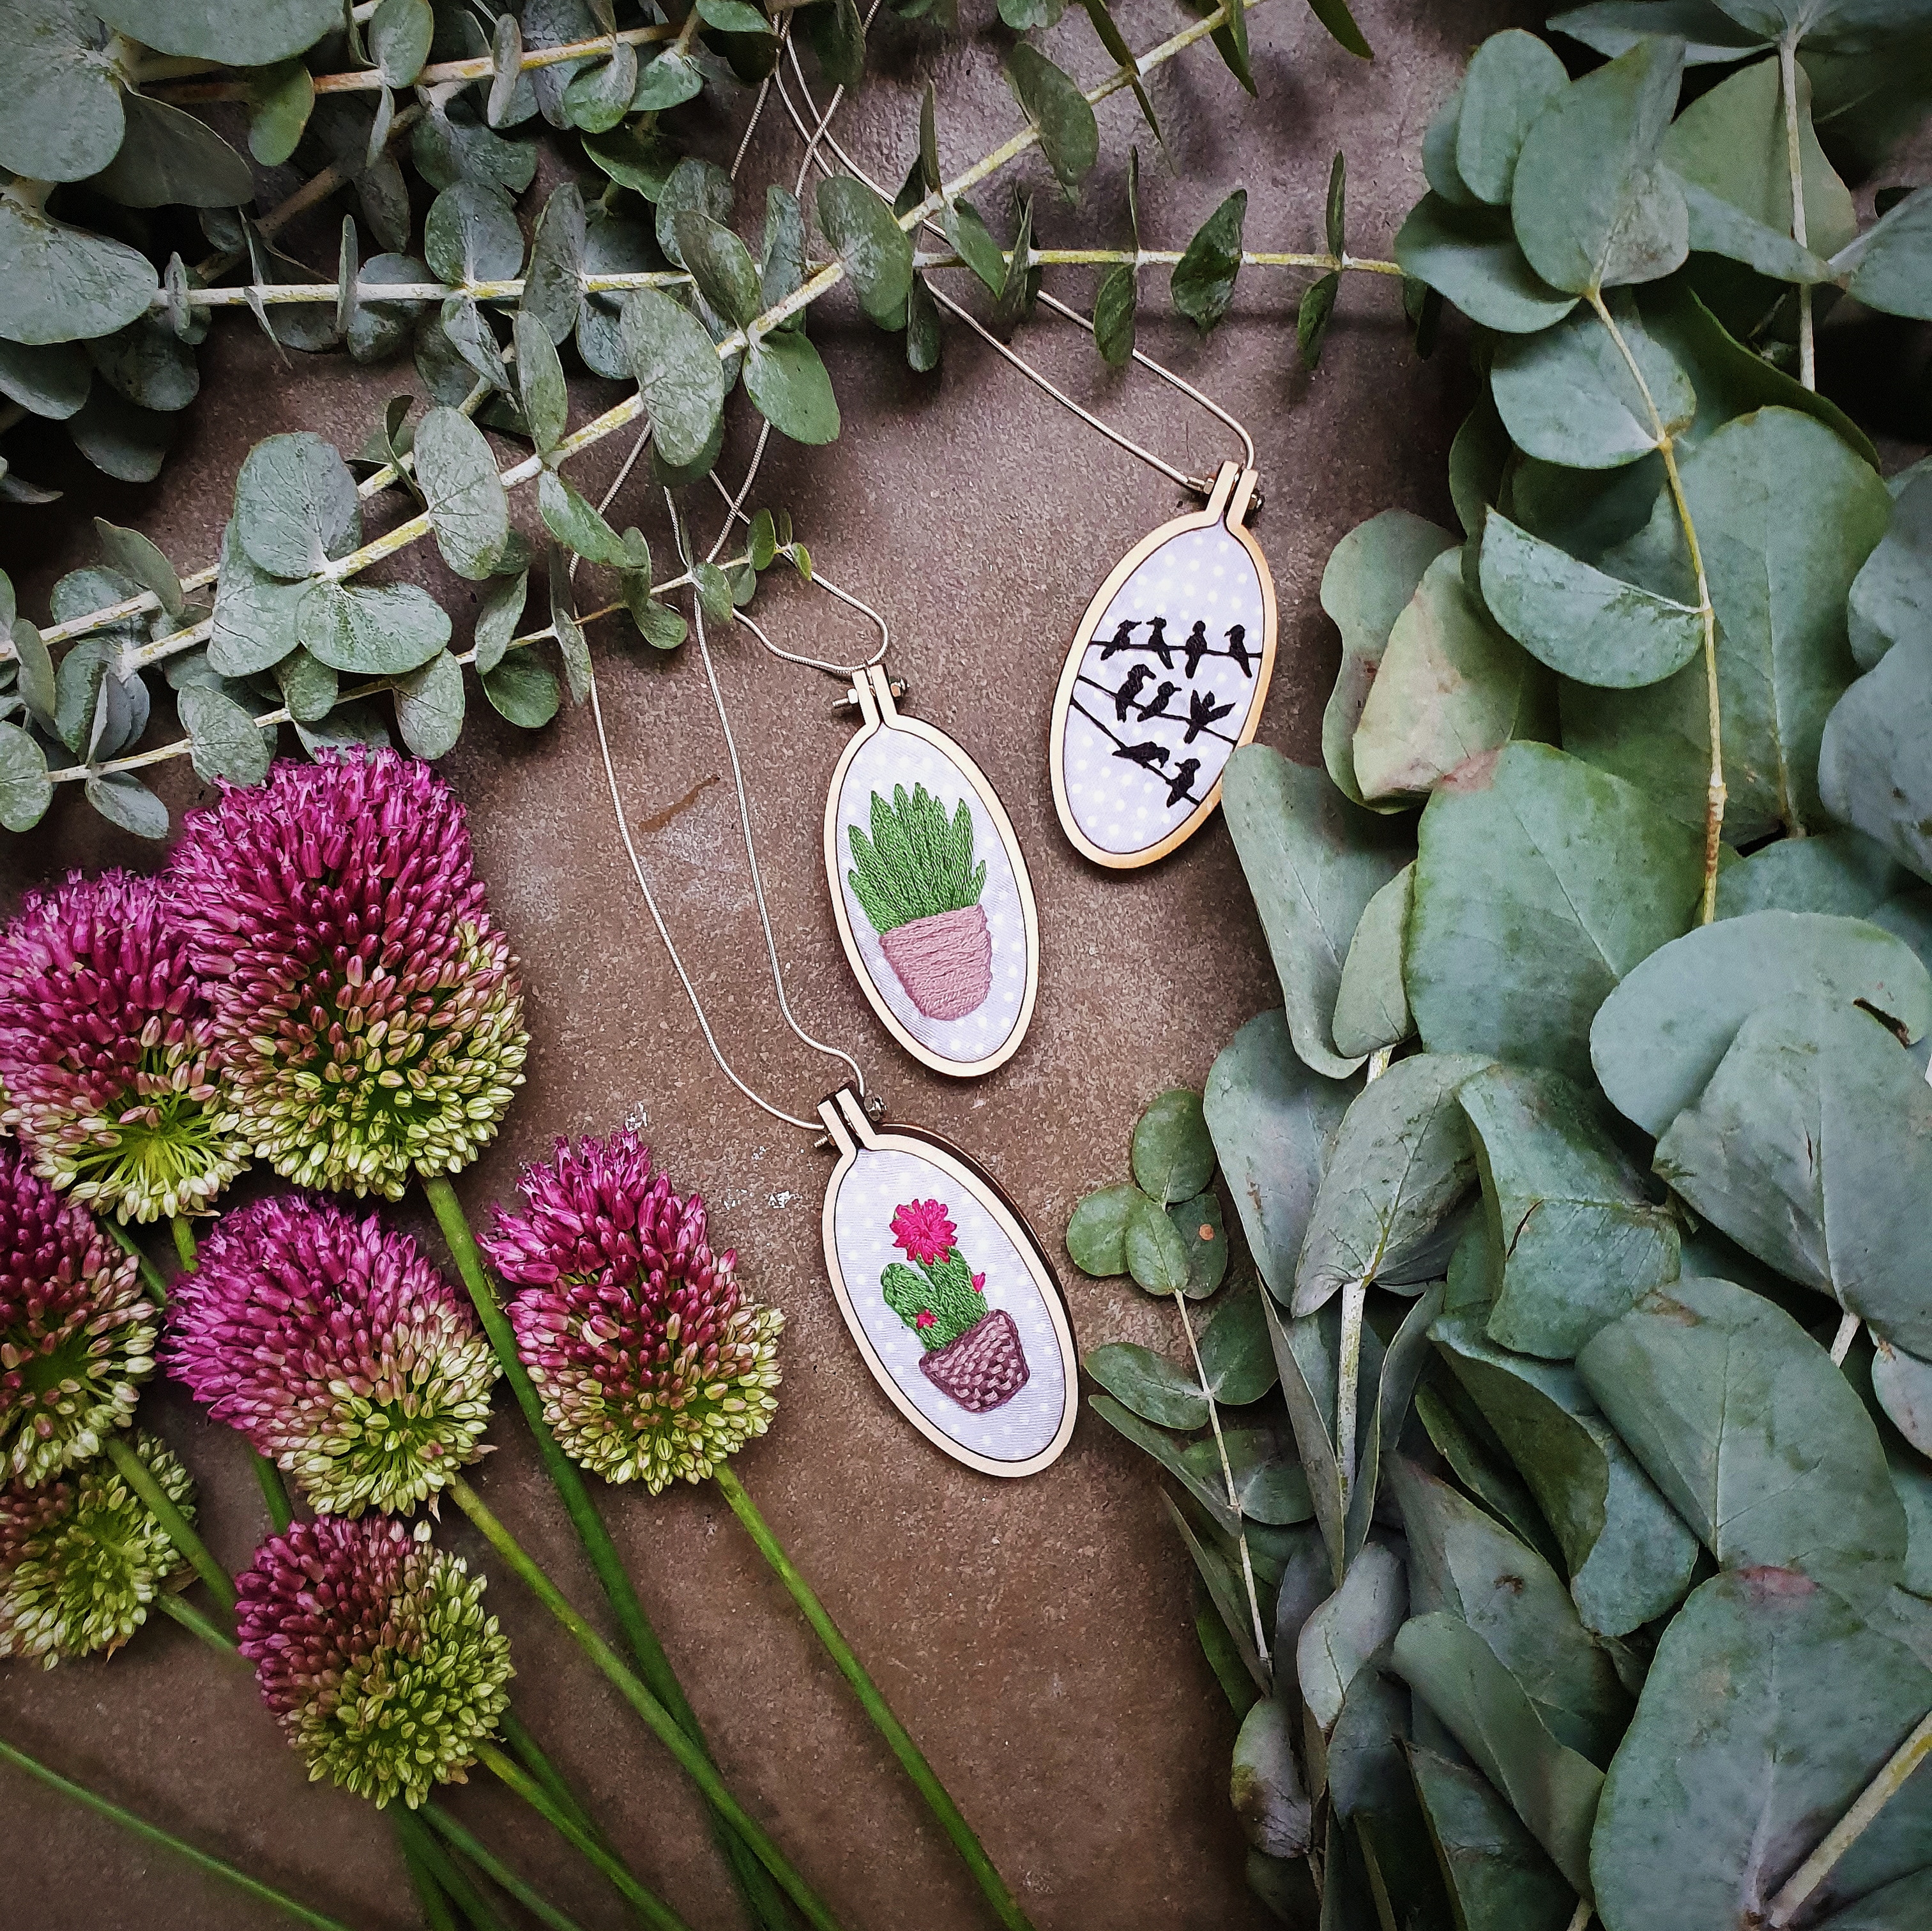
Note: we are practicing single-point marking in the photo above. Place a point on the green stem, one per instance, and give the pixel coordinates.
(151, 1275)
(140, 1478)
(152, 1834)
(754, 1882)
(419, 1842)
(530, 1754)
(496, 1871)
(648, 1906)
(662, 1724)
(429, 1892)
(185, 1245)
(274, 1492)
(194, 1622)
(972, 1853)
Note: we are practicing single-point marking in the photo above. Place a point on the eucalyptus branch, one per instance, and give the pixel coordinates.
(1787, 69)
(1168, 258)
(244, 294)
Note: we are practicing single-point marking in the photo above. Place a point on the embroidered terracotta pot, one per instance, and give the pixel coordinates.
(945, 962)
(983, 1367)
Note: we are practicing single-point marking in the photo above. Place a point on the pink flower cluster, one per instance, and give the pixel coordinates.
(923, 1231)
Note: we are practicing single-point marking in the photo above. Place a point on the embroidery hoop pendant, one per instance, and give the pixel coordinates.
(1131, 802)
(954, 981)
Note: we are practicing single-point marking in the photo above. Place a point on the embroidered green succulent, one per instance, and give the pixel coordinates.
(917, 863)
(937, 1296)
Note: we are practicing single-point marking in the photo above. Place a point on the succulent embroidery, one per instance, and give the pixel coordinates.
(916, 880)
(972, 1353)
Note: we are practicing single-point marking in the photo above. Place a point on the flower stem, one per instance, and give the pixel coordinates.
(140, 1477)
(498, 1872)
(754, 1882)
(651, 1908)
(419, 1842)
(184, 1247)
(550, 1780)
(151, 1275)
(662, 1724)
(973, 1854)
(152, 1834)
(429, 1894)
(193, 1621)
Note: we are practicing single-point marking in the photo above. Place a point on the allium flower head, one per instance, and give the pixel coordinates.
(373, 1650)
(921, 1231)
(77, 1333)
(105, 1037)
(367, 1015)
(341, 1353)
(81, 1557)
(649, 1363)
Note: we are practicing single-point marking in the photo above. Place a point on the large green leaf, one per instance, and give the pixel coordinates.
(1500, 1878)
(790, 388)
(1401, 1163)
(167, 156)
(1369, 577)
(1539, 882)
(296, 505)
(1371, 1004)
(677, 371)
(1786, 515)
(1894, 264)
(254, 621)
(1770, 1706)
(1872, 770)
(1892, 595)
(1658, 1039)
(1312, 861)
(1148, 1384)
(1204, 276)
(468, 507)
(1513, 77)
(227, 741)
(1272, 1120)
(430, 706)
(1172, 1154)
(1452, 686)
(876, 250)
(726, 275)
(1755, 1438)
(1629, 1554)
(1470, 255)
(1343, 1633)
(62, 284)
(237, 33)
(471, 235)
(1811, 1147)
(1840, 871)
(60, 102)
(1068, 136)
(370, 629)
(1581, 1236)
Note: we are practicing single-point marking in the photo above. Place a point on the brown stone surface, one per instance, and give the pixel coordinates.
(1036, 1638)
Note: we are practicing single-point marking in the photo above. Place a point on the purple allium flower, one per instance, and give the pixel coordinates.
(373, 1650)
(77, 1333)
(81, 1557)
(368, 1016)
(338, 1349)
(105, 1035)
(649, 1365)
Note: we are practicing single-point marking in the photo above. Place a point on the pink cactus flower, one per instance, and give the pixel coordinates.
(923, 1231)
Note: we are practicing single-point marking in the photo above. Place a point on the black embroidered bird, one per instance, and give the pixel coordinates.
(1157, 642)
(1201, 712)
(1183, 778)
(1128, 693)
(1145, 755)
(1197, 646)
(1122, 638)
(1156, 706)
(1237, 647)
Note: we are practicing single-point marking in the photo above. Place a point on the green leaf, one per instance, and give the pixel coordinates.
(1070, 137)
(25, 789)
(400, 32)
(524, 691)
(167, 157)
(148, 363)
(1469, 255)
(1512, 78)
(1334, 15)
(1272, 1120)
(1892, 595)
(714, 592)
(1593, 205)
(51, 380)
(570, 644)
(1343, 1633)
(634, 158)
(227, 743)
(877, 252)
(789, 388)
(309, 689)
(1567, 395)
(669, 81)
(1753, 1435)
(1629, 1554)
(130, 553)
(1552, 1788)
(1759, 1670)
(1496, 1872)
(1173, 1155)
(1902, 1385)
(370, 630)
(972, 241)
(1200, 1225)
(693, 187)
(1457, 1430)
(1595, 629)
(553, 285)
(1265, 1783)
(838, 36)
(677, 371)
(1659, 1038)
(469, 508)
(1231, 39)
(1612, 27)
(578, 525)
(1539, 882)
(1311, 319)
(429, 706)
(61, 284)
(498, 614)
(1157, 1255)
(1370, 576)
(237, 33)
(1785, 514)
(540, 384)
(1871, 769)
(732, 17)
(378, 329)
(122, 799)
(60, 102)
(254, 622)
(1894, 262)
(727, 277)
(281, 97)
(781, 256)
(1453, 688)
(1114, 301)
(600, 95)
(1403, 1163)
(1149, 1385)
(1843, 872)
(1371, 1004)
(295, 505)
(1021, 283)
(470, 235)
(1023, 16)
(1438, 153)
(1313, 861)
(1204, 277)
(922, 335)
(1107, 30)
(1235, 1355)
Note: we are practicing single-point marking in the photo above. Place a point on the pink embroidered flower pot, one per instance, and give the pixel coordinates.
(945, 962)
(983, 1367)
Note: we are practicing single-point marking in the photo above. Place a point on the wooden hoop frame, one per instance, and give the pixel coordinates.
(872, 692)
(1233, 493)
(850, 1131)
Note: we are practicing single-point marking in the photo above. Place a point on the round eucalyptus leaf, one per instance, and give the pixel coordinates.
(599, 95)
(60, 103)
(1149, 1385)
(399, 35)
(524, 691)
(1342, 1633)
(633, 158)
(237, 33)
(1871, 771)
(51, 380)
(1173, 1154)
(253, 627)
(120, 438)
(61, 284)
(378, 329)
(727, 277)
(469, 509)
(226, 741)
(1371, 1005)
(123, 800)
(471, 235)
(1236, 1353)
(1096, 1233)
(1070, 137)
(1903, 1383)
(1512, 78)
(370, 630)
(281, 97)
(577, 525)
(429, 706)
(693, 187)
(25, 790)
(553, 283)
(1469, 256)
(676, 365)
(1199, 1224)
(1264, 1785)
(498, 613)
(876, 250)
(1269, 1486)
(296, 505)
(667, 82)
(789, 388)
(133, 555)
(1157, 1255)
(167, 157)
(309, 689)
(149, 364)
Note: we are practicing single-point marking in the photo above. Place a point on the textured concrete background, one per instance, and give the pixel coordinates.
(1035, 1637)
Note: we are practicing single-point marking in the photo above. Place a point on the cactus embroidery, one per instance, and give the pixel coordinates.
(971, 1352)
(916, 880)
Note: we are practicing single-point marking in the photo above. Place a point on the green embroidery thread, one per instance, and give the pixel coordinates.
(917, 865)
(972, 1353)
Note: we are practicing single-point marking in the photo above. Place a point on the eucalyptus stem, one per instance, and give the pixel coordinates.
(1794, 153)
(153, 1833)
(748, 1871)
(912, 1759)
(140, 1478)
(657, 1719)
(1841, 1342)
(1155, 258)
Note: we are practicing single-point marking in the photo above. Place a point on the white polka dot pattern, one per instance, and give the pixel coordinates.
(1202, 584)
(879, 1181)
